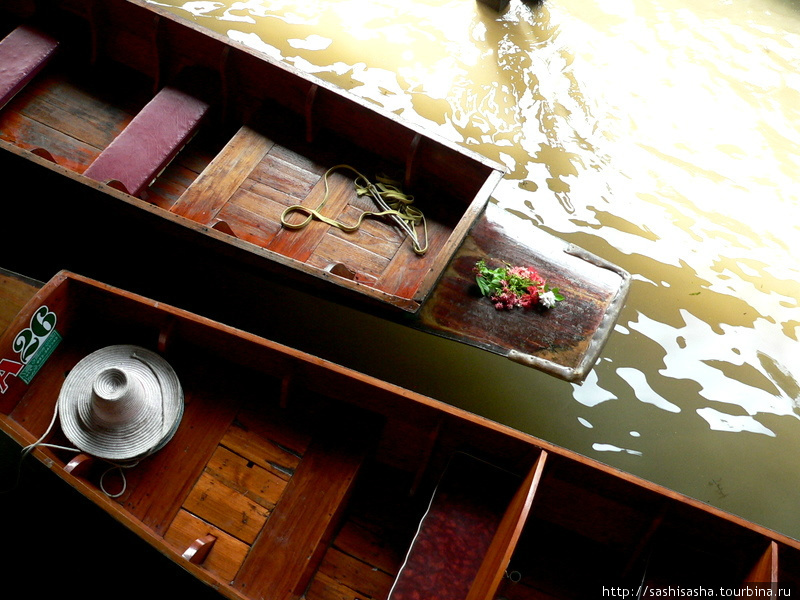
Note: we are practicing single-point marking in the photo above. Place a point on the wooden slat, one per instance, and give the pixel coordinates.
(343, 576)
(226, 508)
(217, 183)
(408, 269)
(270, 441)
(79, 112)
(333, 249)
(292, 544)
(288, 172)
(29, 134)
(171, 185)
(379, 235)
(245, 477)
(258, 228)
(225, 557)
(300, 244)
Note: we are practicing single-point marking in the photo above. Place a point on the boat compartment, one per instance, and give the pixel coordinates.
(469, 529)
(588, 528)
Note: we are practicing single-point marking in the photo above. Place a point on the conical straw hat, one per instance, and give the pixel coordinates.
(120, 403)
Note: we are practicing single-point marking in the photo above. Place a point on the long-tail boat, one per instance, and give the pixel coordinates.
(121, 106)
(285, 476)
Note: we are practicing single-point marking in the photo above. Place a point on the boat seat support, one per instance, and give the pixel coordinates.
(79, 465)
(199, 550)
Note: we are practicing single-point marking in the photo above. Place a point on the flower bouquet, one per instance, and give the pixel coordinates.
(508, 287)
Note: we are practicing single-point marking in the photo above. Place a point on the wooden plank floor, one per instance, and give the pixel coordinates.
(274, 172)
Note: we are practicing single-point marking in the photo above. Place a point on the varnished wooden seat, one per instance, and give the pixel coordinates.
(288, 551)
(23, 53)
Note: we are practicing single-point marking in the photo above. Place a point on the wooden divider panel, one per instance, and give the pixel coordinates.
(499, 554)
(766, 569)
(292, 543)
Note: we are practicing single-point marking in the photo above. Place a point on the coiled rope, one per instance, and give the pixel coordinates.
(386, 194)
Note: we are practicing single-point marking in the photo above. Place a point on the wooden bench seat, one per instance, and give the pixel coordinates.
(291, 545)
(466, 537)
(150, 141)
(23, 53)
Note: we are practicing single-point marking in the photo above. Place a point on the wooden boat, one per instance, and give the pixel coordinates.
(292, 477)
(144, 120)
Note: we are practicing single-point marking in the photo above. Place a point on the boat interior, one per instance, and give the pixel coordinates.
(291, 477)
(228, 143)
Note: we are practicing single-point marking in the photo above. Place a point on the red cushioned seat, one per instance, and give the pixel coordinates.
(150, 141)
(23, 53)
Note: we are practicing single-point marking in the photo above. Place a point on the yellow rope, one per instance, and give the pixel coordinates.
(386, 194)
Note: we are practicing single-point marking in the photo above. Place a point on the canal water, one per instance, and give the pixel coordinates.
(661, 136)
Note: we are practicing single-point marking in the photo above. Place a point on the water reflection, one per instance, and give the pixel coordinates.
(661, 136)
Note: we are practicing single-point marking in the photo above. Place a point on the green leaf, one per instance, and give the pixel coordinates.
(483, 285)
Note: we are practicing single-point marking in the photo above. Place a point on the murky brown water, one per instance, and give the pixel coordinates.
(662, 136)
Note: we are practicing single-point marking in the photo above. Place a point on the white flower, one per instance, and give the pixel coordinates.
(548, 299)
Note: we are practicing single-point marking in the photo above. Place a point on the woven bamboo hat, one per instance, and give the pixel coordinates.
(120, 403)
